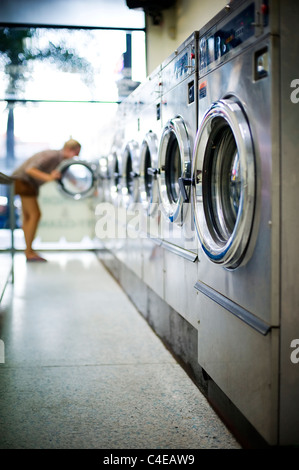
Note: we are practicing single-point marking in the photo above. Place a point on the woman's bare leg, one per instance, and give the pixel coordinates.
(31, 217)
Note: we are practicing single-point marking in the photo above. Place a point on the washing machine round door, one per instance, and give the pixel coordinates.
(174, 164)
(103, 178)
(114, 177)
(224, 186)
(130, 189)
(148, 186)
(78, 179)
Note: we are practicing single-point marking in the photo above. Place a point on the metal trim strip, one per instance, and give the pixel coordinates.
(147, 236)
(240, 312)
(180, 251)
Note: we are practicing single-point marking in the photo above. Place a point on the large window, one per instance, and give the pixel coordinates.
(57, 83)
(70, 64)
(46, 74)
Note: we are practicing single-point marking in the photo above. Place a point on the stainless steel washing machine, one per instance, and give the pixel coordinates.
(179, 114)
(150, 131)
(131, 148)
(108, 226)
(115, 158)
(242, 144)
(126, 188)
(104, 183)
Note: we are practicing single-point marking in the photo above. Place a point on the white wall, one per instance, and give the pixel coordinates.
(178, 23)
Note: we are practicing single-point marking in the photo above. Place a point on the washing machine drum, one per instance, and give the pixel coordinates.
(174, 165)
(130, 189)
(114, 177)
(78, 179)
(224, 186)
(148, 187)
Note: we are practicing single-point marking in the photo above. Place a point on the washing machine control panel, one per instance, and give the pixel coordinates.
(185, 63)
(222, 40)
(182, 66)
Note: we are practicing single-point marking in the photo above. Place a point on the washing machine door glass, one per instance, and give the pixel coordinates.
(148, 173)
(223, 182)
(114, 177)
(174, 163)
(148, 178)
(223, 173)
(173, 169)
(130, 189)
(129, 174)
(77, 179)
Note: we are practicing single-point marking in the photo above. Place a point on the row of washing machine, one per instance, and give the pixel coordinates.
(203, 179)
(156, 127)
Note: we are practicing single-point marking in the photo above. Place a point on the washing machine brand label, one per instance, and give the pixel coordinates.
(202, 90)
(295, 93)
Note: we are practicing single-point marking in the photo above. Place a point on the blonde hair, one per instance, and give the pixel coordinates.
(72, 144)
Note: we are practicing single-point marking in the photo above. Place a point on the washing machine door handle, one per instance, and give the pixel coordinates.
(183, 182)
(134, 174)
(153, 171)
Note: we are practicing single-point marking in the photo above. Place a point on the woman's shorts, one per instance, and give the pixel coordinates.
(24, 189)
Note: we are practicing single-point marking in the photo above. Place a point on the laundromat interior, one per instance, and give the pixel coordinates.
(164, 315)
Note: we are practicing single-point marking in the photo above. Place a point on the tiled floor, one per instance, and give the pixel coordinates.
(83, 370)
